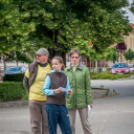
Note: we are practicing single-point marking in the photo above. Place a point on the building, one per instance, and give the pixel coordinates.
(129, 41)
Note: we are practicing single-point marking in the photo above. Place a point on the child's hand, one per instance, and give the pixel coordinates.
(57, 91)
(70, 92)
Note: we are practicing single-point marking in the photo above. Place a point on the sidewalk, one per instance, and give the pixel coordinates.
(96, 93)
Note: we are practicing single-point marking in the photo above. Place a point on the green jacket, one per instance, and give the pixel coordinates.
(81, 86)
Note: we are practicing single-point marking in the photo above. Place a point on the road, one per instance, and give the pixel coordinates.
(110, 115)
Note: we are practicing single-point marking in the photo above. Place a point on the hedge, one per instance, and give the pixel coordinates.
(14, 77)
(11, 91)
(107, 75)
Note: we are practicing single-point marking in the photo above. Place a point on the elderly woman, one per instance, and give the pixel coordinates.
(81, 97)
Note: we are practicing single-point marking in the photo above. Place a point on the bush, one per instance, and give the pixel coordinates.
(93, 73)
(99, 70)
(108, 75)
(108, 69)
(14, 77)
(11, 91)
(132, 73)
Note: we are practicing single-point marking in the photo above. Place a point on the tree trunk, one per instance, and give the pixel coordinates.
(4, 62)
(59, 52)
(90, 65)
(96, 65)
(53, 53)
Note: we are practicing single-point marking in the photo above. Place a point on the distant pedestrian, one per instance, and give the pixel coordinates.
(57, 112)
(34, 81)
(81, 97)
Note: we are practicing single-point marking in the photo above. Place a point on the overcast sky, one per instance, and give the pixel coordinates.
(129, 14)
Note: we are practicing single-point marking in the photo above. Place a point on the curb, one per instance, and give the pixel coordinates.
(13, 104)
(96, 93)
(99, 93)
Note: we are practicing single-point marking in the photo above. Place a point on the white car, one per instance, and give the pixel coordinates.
(131, 66)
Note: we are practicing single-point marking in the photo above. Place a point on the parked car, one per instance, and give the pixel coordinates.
(15, 69)
(120, 68)
(131, 66)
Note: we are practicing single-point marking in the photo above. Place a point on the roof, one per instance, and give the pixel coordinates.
(115, 44)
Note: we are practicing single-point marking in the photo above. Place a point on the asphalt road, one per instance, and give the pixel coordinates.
(110, 115)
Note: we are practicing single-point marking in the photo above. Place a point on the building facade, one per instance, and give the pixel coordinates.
(129, 41)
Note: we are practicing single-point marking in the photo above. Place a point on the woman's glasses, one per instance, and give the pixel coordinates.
(74, 57)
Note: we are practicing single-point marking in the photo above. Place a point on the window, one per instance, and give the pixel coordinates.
(13, 69)
(121, 65)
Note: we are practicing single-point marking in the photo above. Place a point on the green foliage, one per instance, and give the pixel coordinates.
(108, 53)
(13, 31)
(132, 7)
(18, 56)
(132, 73)
(129, 55)
(14, 77)
(108, 75)
(99, 70)
(11, 91)
(93, 73)
(111, 54)
(90, 52)
(61, 25)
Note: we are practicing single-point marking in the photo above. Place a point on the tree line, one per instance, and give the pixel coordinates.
(60, 25)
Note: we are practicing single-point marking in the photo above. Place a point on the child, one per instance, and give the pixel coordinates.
(57, 112)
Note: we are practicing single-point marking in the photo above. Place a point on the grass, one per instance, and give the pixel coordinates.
(107, 75)
(132, 73)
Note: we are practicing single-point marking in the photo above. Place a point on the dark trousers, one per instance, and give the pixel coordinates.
(57, 114)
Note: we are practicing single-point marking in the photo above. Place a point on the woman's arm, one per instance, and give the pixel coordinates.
(46, 87)
(88, 87)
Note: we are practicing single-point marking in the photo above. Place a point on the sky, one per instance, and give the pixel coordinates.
(129, 14)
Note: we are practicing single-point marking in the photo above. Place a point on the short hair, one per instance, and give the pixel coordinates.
(74, 51)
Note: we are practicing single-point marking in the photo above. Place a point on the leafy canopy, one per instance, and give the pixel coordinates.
(62, 24)
(13, 31)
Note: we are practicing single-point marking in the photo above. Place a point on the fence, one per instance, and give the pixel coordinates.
(98, 69)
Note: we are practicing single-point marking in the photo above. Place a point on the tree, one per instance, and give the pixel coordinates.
(18, 56)
(111, 54)
(63, 24)
(12, 31)
(89, 52)
(129, 55)
(132, 7)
